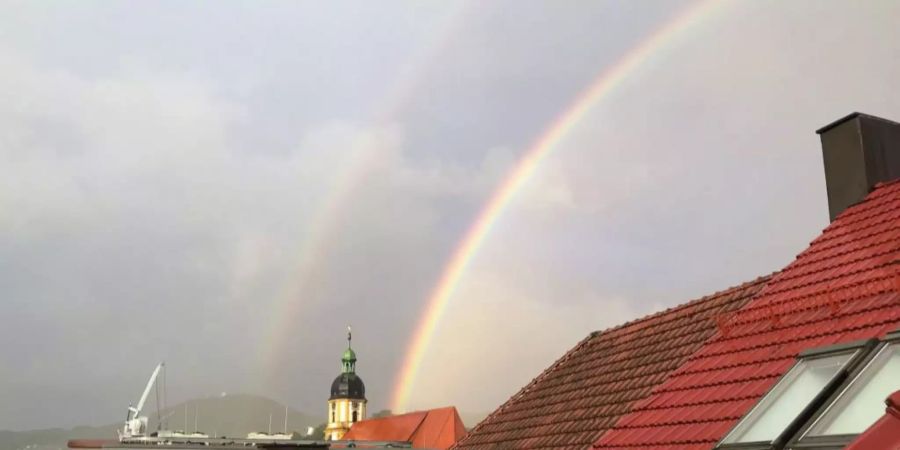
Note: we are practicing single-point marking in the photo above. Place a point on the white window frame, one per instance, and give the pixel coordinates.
(806, 441)
(858, 351)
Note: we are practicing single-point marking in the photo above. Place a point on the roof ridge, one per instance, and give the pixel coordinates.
(418, 425)
(673, 309)
(443, 424)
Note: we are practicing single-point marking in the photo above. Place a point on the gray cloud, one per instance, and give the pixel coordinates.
(163, 166)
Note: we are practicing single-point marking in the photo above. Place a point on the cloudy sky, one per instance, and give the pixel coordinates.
(226, 186)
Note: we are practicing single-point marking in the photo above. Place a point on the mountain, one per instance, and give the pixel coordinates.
(230, 415)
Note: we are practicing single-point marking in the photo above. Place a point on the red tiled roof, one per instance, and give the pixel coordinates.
(885, 433)
(842, 288)
(434, 428)
(391, 428)
(583, 393)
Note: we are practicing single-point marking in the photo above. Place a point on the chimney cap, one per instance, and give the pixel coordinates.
(852, 116)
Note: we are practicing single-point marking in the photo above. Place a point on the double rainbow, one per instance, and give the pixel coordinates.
(295, 293)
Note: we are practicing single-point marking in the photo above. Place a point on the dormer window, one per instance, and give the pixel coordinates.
(829, 397)
(775, 418)
(858, 404)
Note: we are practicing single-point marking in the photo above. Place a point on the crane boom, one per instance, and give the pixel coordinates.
(140, 404)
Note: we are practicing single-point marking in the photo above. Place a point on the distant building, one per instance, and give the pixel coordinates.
(347, 404)
(435, 429)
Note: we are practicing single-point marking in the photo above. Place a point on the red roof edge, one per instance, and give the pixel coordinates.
(885, 432)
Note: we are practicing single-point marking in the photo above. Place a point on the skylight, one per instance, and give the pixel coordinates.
(781, 405)
(861, 402)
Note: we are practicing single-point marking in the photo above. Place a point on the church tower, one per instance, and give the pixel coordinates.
(347, 404)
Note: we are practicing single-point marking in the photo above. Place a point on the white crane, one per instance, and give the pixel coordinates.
(136, 424)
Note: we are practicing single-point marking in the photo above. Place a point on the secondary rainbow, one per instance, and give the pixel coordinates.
(602, 85)
(324, 225)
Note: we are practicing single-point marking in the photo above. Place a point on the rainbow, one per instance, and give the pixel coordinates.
(603, 85)
(295, 292)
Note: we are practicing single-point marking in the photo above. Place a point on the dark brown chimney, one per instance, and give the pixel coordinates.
(859, 151)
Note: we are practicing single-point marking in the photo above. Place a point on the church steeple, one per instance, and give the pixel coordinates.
(348, 361)
(347, 404)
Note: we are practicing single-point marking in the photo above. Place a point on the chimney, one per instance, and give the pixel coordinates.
(859, 151)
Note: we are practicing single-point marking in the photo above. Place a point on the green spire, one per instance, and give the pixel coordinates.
(348, 361)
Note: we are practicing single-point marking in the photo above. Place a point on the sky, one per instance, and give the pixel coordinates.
(225, 186)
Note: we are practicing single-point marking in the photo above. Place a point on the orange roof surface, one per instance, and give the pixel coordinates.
(434, 428)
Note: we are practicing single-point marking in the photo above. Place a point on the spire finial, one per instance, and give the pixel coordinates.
(348, 361)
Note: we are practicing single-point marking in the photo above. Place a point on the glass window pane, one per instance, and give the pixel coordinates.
(787, 399)
(862, 403)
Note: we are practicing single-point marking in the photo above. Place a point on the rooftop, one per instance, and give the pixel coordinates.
(684, 377)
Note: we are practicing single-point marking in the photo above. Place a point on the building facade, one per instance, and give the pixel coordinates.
(347, 403)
